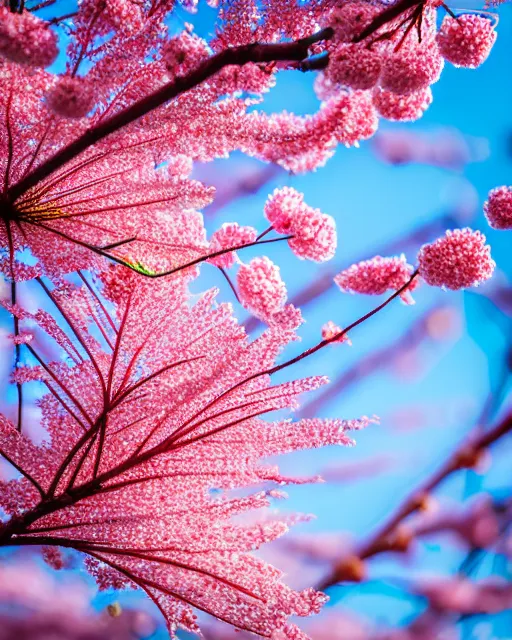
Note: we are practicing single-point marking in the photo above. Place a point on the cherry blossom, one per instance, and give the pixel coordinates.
(349, 19)
(26, 39)
(230, 235)
(313, 233)
(458, 260)
(498, 208)
(466, 40)
(330, 330)
(282, 207)
(402, 108)
(378, 275)
(261, 288)
(411, 69)
(71, 97)
(354, 66)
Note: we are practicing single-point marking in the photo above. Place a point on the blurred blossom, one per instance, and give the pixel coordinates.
(367, 468)
(476, 525)
(409, 365)
(338, 625)
(444, 323)
(319, 547)
(462, 596)
(445, 148)
(408, 417)
(36, 606)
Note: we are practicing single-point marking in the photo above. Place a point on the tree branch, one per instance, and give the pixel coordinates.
(285, 52)
(465, 456)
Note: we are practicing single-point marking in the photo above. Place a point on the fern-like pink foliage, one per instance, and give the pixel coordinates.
(144, 421)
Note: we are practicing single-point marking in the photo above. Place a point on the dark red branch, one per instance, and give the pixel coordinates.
(17, 358)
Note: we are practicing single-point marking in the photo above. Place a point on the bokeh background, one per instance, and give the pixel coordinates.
(431, 371)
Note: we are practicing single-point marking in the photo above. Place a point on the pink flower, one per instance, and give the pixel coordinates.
(498, 208)
(184, 53)
(357, 118)
(53, 557)
(108, 15)
(260, 287)
(71, 97)
(467, 40)
(282, 207)
(402, 108)
(26, 39)
(231, 234)
(411, 69)
(349, 19)
(314, 235)
(354, 66)
(458, 260)
(288, 319)
(314, 232)
(330, 329)
(376, 276)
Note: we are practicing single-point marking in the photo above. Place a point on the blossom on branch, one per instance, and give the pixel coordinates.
(378, 275)
(459, 260)
(230, 235)
(313, 232)
(498, 208)
(466, 40)
(261, 287)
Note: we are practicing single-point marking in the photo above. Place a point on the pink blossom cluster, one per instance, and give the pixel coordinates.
(110, 15)
(228, 236)
(398, 63)
(26, 39)
(313, 232)
(458, 260)
(71, 97)
(378, 275)
(261, 288)
(498, 208)
(467, 39)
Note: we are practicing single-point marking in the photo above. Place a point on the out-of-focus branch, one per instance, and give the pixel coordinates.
(374, 361)
(390, 536)
(240, 186)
